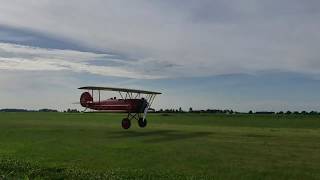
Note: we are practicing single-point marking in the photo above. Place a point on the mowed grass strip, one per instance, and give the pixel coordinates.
(173, 146)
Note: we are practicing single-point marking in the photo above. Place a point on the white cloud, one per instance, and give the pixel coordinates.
(19, 57)
(199, 37)
(154, 39)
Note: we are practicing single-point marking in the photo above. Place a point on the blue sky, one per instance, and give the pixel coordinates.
(239, 54)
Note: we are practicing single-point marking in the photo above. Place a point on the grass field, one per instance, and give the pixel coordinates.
(174, 146)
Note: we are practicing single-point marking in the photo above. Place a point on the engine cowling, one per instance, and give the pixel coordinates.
(85, 98)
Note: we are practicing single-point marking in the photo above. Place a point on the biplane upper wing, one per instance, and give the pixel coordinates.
(118, 89)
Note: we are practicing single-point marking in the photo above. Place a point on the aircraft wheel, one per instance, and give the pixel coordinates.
(126, 123)
(142, 123)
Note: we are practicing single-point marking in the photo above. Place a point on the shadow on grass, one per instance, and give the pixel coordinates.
(159, 136)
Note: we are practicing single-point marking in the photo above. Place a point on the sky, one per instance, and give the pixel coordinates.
(236, 54)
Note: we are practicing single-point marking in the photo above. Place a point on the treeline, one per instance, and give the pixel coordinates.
(286, 112)
(71, 111)
(227, 111)
(180, 110)
(26, 110)
(40, 110)
(213, 111)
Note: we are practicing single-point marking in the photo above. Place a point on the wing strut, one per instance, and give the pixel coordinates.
(150, 99)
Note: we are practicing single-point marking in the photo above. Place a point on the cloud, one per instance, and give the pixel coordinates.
(66, 44)
(200, 38)
(19, 57)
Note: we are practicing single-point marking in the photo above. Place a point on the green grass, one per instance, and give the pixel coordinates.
(175, 146)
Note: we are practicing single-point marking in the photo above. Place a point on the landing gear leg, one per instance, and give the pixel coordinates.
(142, 121)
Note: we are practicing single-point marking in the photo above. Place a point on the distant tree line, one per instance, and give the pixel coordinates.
(286, 112)
(213, 111)
(228, 111)
(40, 110)
(16, 110)
(48, 110)
(71, 111)
(180, 110)
(26, 110)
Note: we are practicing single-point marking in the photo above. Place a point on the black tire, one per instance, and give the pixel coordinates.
(142, 123)
(126, 123)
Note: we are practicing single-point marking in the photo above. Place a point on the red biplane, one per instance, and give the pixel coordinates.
(134, 102)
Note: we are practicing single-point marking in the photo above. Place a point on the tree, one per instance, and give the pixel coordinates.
(313, 113)
(47, 110)
(288, 112)
(190, 109)
(72, 110)
(250, 112)
(281, 112)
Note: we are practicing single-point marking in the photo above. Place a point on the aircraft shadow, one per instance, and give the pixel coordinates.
(159, 136)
